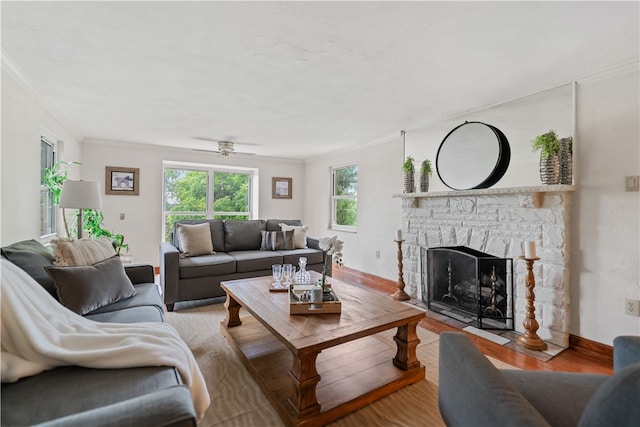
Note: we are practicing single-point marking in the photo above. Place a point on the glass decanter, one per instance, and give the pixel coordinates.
(302, 277)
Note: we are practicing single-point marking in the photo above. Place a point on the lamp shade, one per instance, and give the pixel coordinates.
(80, 195)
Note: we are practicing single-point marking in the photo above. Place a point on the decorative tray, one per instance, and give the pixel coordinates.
(299, 304)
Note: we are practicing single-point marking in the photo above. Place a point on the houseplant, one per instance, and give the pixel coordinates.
(408, 172)
(425, 173)
(549, 147)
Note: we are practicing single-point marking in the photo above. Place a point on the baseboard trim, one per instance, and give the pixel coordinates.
(591, 348)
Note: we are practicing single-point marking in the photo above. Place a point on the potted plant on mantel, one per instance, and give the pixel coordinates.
(556, 158)
(409, 172)
(425, 173)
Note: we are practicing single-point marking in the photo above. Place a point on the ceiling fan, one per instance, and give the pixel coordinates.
(225, 148)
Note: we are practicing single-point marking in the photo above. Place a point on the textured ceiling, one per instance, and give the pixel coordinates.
(299, 79)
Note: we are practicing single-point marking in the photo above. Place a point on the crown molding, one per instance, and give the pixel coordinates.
(15, 72)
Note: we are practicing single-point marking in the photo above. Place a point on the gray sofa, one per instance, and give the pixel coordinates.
(237, 256)
(473, 392)
(76, 396)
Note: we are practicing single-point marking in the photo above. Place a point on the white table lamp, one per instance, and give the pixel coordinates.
(80, 195)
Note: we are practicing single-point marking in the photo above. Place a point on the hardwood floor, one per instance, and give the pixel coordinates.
(570, 360)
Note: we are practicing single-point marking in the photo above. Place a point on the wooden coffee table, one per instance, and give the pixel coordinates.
(317, 368)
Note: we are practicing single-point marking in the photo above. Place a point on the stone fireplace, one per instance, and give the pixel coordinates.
(497, 222)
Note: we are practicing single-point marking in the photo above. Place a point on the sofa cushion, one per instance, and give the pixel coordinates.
(243, 235)
(147, 295)
(32, 257)
(129, 315)
(277, 240)
(206, 265)
(616, 402)
(274, 224)
(299, 234)
(70, 390)
(82, 251)
(560, 397)
(85, 288)
(195, 239)
(247, 261)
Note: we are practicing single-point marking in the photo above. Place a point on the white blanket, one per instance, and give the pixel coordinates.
(39, 334)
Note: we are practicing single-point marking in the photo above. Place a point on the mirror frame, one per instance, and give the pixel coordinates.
(501, 163)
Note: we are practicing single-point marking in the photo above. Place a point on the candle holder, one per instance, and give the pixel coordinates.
(400, 294)
(530, 339)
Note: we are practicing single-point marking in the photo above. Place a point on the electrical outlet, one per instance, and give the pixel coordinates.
(631, 183)
(378, 254)
(121, 217)
(632, 307)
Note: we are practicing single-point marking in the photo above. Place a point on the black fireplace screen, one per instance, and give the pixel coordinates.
(469, 285)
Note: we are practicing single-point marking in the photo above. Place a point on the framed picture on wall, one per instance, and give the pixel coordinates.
(281, 188)
(122, 181)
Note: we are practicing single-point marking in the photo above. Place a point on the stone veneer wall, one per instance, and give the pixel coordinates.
(497, 221)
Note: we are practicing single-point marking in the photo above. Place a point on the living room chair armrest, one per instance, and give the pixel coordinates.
(171, 407)
(140, 273)
(169, 272)
(473, 392)
(626, 351)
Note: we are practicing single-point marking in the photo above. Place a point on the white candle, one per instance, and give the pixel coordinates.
(530, 249)
(398, 235)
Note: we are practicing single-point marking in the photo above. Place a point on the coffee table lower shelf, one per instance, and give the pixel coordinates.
(353, 374)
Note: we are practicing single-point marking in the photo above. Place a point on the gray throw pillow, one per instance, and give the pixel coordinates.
(32, 257)
(277, 240)
(85, 288)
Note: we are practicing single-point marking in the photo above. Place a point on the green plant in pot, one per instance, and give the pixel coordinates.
(425, 173)
(408, 170)
(93, 223)
(549, 147)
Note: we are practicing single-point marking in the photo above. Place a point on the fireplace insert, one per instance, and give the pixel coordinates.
(468, 285)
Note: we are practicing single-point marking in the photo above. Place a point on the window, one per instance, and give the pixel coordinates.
(196, 192)
(47, 207)
(344, 198)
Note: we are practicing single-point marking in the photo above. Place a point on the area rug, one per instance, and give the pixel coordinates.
(236, 400)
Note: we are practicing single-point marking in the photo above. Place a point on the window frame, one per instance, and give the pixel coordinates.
(52, 210)
(335, 198)
(209, 213)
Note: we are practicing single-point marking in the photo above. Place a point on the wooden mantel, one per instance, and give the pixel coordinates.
(537, 191)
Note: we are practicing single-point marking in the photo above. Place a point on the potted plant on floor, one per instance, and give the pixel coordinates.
(408, 173)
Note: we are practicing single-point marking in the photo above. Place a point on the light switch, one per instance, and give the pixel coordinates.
(631, 183)
(122, 217)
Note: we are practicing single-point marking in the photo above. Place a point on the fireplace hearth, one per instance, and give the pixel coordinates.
(470, 286)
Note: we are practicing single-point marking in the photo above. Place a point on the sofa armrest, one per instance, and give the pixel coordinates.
(169, 272)
(626, 351)
(473, 392)
(140, 273)
(171, 407)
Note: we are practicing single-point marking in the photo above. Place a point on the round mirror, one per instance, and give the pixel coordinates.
(473, 155)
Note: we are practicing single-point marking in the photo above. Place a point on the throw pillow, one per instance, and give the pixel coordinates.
(277, 240)
(299, 234)
(82, 251)
(32, 257)
(85, 288)
(195, 239)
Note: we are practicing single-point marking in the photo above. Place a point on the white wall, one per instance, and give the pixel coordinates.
(142, 226)
(605, 248)
(379, 178)
(24, 121)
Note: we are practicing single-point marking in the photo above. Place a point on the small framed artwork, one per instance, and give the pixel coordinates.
(281, 188)
(122, 181)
